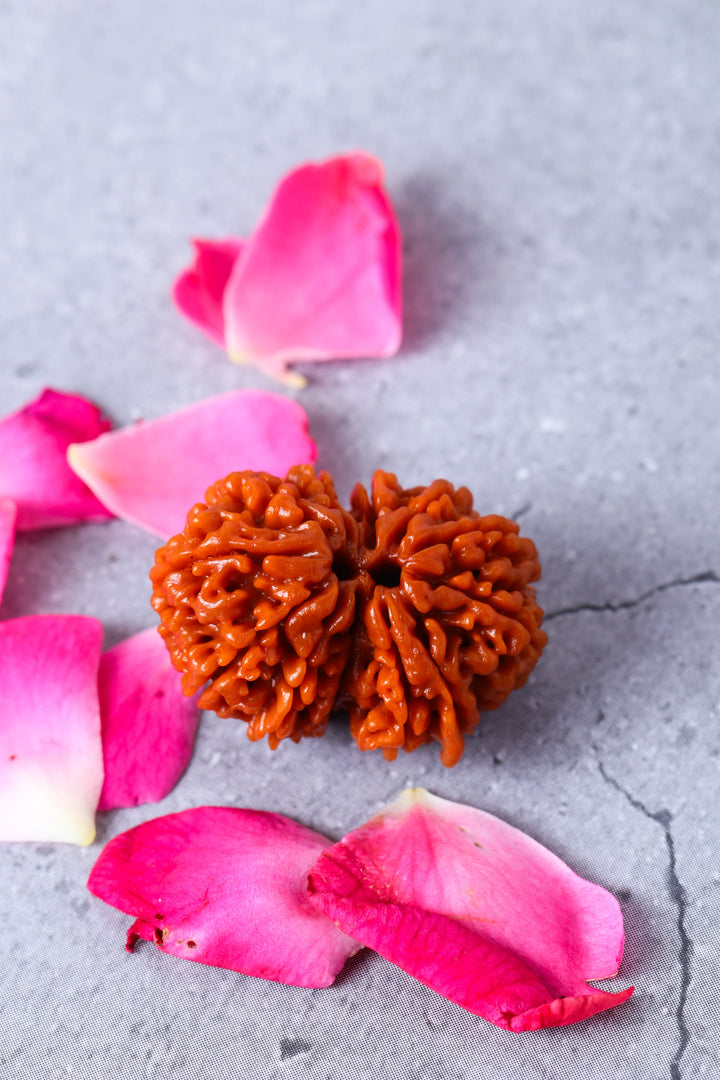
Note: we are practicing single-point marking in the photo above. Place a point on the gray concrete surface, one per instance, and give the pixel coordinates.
(555, 168)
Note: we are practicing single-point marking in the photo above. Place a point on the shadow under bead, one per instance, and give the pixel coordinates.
(412, 609)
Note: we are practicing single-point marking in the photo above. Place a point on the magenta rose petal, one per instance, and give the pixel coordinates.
(198, 291)
(148, 725)
(51, 767)
(34, 472)
(225, 887)
(320, 278)
(152, 473)
(476, 910)
(8, 513)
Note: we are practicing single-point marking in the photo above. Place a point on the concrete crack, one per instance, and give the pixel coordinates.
(524, 509)
(703, 578)
(678, 896)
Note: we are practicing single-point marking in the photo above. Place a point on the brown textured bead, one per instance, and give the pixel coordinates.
(250, 596)
(452, 621)
(412, 610)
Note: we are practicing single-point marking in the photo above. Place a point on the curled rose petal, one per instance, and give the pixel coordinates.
(320, 277)
(34, 472)
(198, 292)
(148, 725)
(8, 512)
(225, 887)
(476, 910)
(152, 473)
(51, 767)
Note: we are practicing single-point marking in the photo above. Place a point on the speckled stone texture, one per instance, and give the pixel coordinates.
(556, 175)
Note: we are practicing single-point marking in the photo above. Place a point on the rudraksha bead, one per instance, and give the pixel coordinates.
(451, 625)
(254, 596)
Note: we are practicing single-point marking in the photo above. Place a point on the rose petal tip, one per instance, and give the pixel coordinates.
(293, 379)
(74, 455)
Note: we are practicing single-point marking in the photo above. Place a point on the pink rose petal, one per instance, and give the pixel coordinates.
(148, 725)
(51, 767)
(198, 292)
(152, 473)
(320, 278)
(34, 472)
(8, 513)
(225, 887)
(476, 910)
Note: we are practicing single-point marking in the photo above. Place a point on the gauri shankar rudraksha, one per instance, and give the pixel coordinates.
(412, 610)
